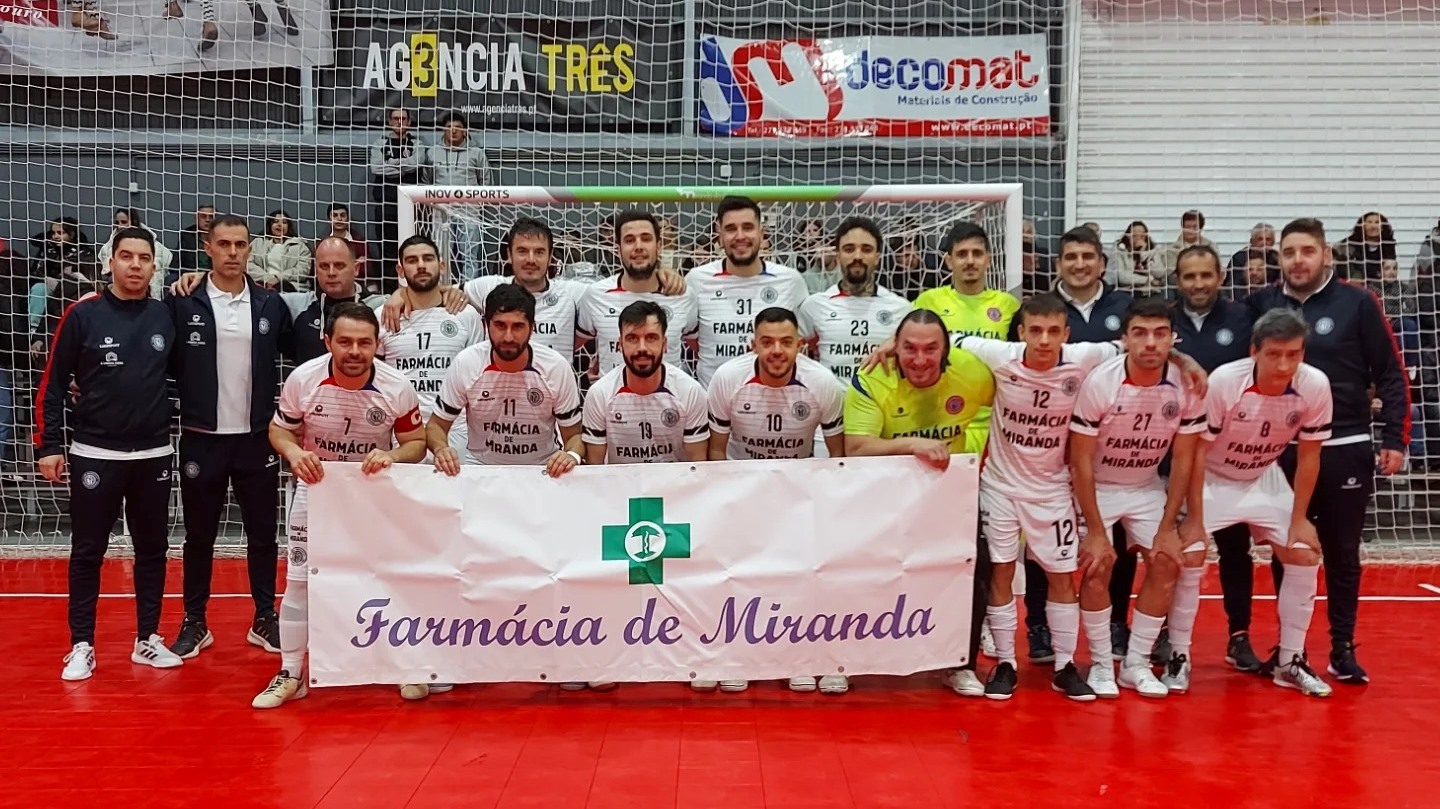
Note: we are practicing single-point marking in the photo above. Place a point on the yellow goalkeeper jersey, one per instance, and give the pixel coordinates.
(985, 315)
(883, 403)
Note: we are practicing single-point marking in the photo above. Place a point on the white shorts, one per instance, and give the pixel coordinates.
(297, 531)
(1049, 530)
(1265, 504)
(1140, 509)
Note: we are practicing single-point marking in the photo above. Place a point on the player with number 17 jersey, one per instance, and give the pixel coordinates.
(511, 416)
(726, 305)
(427, 342)
(774, 422)
(848, 327)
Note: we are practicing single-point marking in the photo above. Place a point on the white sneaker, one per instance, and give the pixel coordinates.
(834, 684)
(704, 686)
(413, 691)
(1101, 680)
(153, 652)
(1298, 675)
(573, 686)
(281, 690)
(1177, 674)
(987, 643)
(734, 686)
(602, 685)
(965, 683)
(80, 663)
(441, 688)
(802, 685)
(1142, 680)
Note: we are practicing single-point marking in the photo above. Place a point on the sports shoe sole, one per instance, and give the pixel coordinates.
(1294, 687)
(206, 642)
(155, 664)
(1074, 697)
(999, 697)
(255, 639)
(731, 689)
(803, 689)
(87, 675)
(1347, 680)
(1235, 664)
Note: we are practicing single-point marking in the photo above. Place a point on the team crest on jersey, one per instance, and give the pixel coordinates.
(883, 317)
(1292, 419)
(1224, 337)
(535, 397)
(1070, 386)
(551, 299)
(1170, 410)
(993, 313)
(1113, 323)
(801, 410)
(954, 405)
(449, 329)
(1324, 325)
(192, 470)
(90, 480)
(669, 314)
(298, 556)
(375, 417)
(263, 325)
(769, 295)
(670, 417)
(157, 342)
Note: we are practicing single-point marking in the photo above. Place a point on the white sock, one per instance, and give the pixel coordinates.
(1184, 608)
(1097, 632)
(1295, 606)
(294, 626)
(1004, 621)
(1144, 629)
(1017, 582)
(1064, 620)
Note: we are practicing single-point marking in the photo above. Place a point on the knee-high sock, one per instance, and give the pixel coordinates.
(1065, 631)
(1144, 629)
(294, 627)
(1295, 606)
(1097, 632)
(1004, 621)
(1183, 609)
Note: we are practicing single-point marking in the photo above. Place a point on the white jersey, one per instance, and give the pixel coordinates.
(726, 306)
(554, 309)
(1248, 430)
(599, 317)
(1135, 424)
(339, 424)
(766, 422)
(648, 428)
(427, 342)
(849, 327)
(1030, 421)
(511, 415)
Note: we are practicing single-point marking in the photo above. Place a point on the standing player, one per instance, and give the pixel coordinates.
(728, 292)
(1130, 413)
(1256, 407)
(430, 336)
(770, 404)
(848, 320)
(339, 407)
(1025, 482)
(529, 250)
(647, 410)
(1353, 346)
(637, 235)
(923, 408)
(115, 347)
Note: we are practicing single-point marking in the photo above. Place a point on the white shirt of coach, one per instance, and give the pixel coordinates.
(233, 335)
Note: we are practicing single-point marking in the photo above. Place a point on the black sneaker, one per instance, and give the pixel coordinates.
(1069, 682)
(265, 633)
(1343, 666)
(1240, 654)
(1267, 668)
(1161, 655)
(1041, 651)
(1001, 684)
(193, 637)
(1119, 638)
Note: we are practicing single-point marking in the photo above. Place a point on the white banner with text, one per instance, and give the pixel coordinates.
(649, 572)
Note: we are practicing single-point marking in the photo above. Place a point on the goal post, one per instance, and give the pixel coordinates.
(920, 213)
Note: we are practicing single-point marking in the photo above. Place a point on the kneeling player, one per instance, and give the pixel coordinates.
(647, 410)
(1129, 414)
(1256, 407)
(340, 406)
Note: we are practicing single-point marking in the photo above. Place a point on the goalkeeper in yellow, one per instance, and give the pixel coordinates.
(924, 407)
(968, 308)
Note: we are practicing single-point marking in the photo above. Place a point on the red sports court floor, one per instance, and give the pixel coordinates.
(138, 737)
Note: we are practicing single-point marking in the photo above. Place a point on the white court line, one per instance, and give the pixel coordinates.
(1417, 599)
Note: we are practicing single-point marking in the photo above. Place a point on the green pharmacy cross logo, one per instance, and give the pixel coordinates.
(646, 542)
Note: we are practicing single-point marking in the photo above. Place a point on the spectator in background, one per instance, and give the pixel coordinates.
(1140, 265)
(1038, 266)
(1400, 302)
(912, 269)
(14, 283)
(1192, 232)
(812, 258)
(1360, 257)
(73, 284)
(191, 255)
(130, 218)
(1262, 240)
(1257, 273)
(342, 228)
(395, 160)
(1429, 252)
(702, 250)
(279, 259)
(1106, 259)
(455, 160)
(669, 244)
